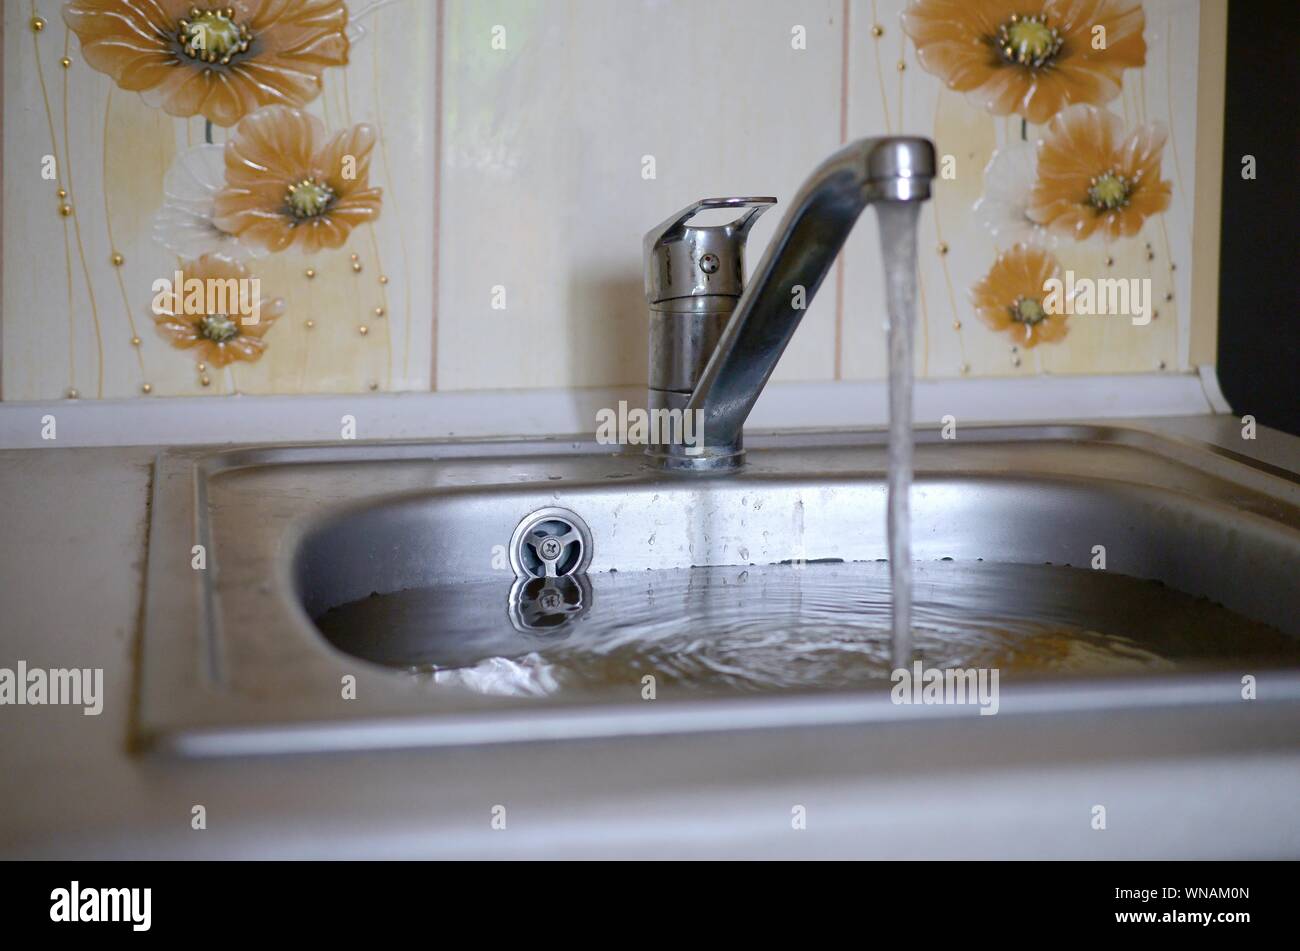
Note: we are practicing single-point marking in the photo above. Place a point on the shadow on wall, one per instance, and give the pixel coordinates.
(607, 329)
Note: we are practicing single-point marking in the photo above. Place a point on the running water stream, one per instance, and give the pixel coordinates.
(898, 246)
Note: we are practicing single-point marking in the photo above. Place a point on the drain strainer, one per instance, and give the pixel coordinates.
(550, 543)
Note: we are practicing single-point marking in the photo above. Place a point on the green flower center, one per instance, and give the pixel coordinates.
(309, 198)
(1110, 190)
(1028, 40)
(213, 36)
(1028, 311)
(217, 327)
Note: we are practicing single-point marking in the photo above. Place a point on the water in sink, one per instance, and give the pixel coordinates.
(816, 626)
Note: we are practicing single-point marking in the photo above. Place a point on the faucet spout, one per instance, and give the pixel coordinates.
(792, 269)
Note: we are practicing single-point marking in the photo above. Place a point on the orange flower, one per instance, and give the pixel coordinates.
(1009, 299)
(216, 336)
(1030, 57)
(1090, 178)
(221, 61)
(283, 187)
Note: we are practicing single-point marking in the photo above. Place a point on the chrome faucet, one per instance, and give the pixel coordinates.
(715, 342)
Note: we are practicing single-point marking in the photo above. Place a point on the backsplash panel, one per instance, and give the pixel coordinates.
(618, 115)
(522, 149)
(79, 287)
(956, 246)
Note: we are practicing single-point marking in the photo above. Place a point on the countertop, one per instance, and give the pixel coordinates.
(71, 578)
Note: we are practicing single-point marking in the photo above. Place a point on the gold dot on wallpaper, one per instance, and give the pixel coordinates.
(1169, 295)
(1015, 361)
(354, 256)
(310, 272)
(1155, 314)
(1161, 364)
(383, 278)
(956, 325)
(1173, 266)
(965, 368)
(310, 324)
(901, 66)
(135, 341)
(65, 62)
(61, 193)
(201, 367)
(37, 24)
(205, 381)
(943, 247)
(379, 312)
(877, 30)
(146, 388)
(363, 330)
(373, 386)
(65, 210)
(1110, 262)
(356, 266)
(72, 393)
(1151, 255)
(117, 259)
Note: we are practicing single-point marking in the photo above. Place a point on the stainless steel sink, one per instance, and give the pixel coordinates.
(232, 661)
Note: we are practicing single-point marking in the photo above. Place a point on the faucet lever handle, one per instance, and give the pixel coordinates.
(740, 227)
(682, 261)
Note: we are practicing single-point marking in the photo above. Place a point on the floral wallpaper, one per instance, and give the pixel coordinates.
(1054, 63)
(1079, 118)
(445, 194)
(193, 145)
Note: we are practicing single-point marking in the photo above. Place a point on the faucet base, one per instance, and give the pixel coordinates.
(681, 444)
(709, 461)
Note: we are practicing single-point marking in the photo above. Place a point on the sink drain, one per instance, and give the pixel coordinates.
(550, 543)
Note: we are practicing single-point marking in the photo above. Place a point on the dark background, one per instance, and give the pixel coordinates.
(1259, 321)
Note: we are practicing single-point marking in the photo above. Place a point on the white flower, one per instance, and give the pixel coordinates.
(1003, 209)
(184, 224)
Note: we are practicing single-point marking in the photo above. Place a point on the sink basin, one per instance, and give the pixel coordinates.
(397, 595)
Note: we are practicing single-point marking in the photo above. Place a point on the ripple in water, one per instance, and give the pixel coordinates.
(780, 627)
